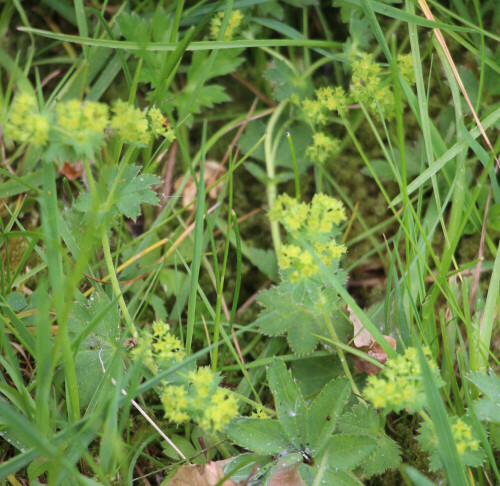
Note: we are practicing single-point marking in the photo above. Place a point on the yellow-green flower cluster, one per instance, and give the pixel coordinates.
(201, 400)
(78, 128)
(234, 22)
(323, 148)
(223, 407)
(130, 123)
(405, 65)
(160, 125)
(25, 123)
(367, 88)
(160, 349)
(399, 386)
(462, 433)
(333, 99)
(81, 121)
(315, 222)
(175, 403)
(300, 261)
(327, 99)
(314, 111)
(320, 216)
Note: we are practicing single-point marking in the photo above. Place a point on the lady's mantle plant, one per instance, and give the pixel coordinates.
(78, 130)
(71, 131)
(304, 305)
(400, 387)
(194, 393)
(316, 436)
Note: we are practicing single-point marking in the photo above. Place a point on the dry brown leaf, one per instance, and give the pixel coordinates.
(364, 341)
(195, 475)
(212, 170)
(375, 351)
(72, 171)
(288, 476)
(362, 336)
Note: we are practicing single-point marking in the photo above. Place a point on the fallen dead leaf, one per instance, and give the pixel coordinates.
(288, 476)
(375, 351)
(195, 475)
(212, 473)
(72, 171)
(212, 170)
(364, 341)
(362, 336)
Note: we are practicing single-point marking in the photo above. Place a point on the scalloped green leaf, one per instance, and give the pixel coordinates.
(289, 403)
(365, 421)
(488, 407)
(348, 451)
(131, 190)
(95, 326)
(282, 315)
(265, 436)
(324, 412)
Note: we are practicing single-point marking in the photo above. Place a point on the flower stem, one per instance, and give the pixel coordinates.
(341, 354)
(270, 169)
(114, 282)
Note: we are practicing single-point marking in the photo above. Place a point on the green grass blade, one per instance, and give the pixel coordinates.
(447, 449)
(197, 250)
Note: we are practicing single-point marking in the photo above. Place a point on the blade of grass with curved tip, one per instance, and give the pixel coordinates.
(237, 285)
(44, 371)
(201, 81)
(173, 62)
(220, 282)
(52, 237)
(416, 477)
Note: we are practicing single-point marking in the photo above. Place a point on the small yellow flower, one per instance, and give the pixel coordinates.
(399, 385)
(129, 123)
(234, 22)
(223, 407)
(24, 122)
(40, 129)
(405, 65)
(160, 328)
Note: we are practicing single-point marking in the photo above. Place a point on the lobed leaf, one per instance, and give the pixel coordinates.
(324, 412)
(348, 451)
(265, 436)
(289, 403)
